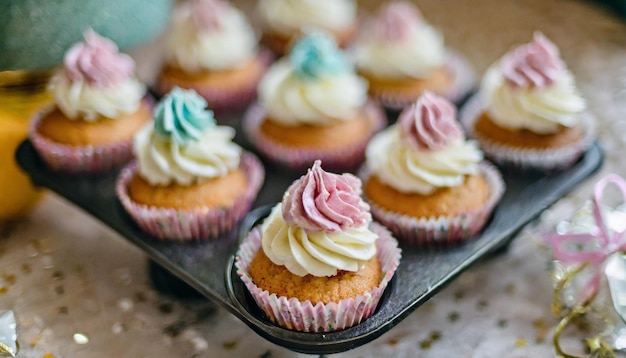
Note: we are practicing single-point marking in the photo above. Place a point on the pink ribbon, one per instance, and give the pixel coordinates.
(596, 246)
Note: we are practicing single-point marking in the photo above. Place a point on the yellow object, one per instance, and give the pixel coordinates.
(21, 96)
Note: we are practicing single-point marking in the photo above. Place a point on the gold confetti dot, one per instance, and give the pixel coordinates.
(392, 342)
(453, 316)
(34, 341)
(10, 279)
(26, 269)
(4, 290)
(521, 342)
(230, 345)
(48, 355)
(459, 295)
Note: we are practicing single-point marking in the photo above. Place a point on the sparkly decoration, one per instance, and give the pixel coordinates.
(81, 338)
(8, 334)
(589, 248)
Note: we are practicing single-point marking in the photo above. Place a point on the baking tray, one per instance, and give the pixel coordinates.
(208, 268)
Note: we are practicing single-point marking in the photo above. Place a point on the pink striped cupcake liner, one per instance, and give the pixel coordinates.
(76, 160)
(443, 230)
(197, 224)
(222, 99)
(306, 316)
(345, 159)
(523, 159)
(464, 80)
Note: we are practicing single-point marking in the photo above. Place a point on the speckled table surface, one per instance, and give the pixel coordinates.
(80, 290)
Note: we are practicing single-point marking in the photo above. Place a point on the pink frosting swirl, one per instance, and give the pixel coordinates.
(395, 20)
(207, 14)
(430, 123)
(536, 64)
(97, 61)
(322, 201)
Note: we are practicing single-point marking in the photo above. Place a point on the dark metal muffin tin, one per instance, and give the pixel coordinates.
(207, 266)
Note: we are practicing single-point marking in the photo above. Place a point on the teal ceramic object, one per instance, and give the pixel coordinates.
(34, 34)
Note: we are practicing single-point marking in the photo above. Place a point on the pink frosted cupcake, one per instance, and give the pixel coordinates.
(528, 113)
(401, 56)
(425, 181)
(318, 263)
(99, 106)
(212, 49)
(190, 180)
(313, 106)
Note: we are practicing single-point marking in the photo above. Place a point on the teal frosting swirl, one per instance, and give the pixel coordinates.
(317, 55)
(182, 116)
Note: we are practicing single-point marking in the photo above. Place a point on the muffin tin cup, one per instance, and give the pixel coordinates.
(224, 99)
(463, 82)
(77, 160)
(304, 316)
(293, 158)
(197, 224)
(442, 230)
(545, 160)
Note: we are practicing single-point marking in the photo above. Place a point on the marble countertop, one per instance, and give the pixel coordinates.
(80, 290)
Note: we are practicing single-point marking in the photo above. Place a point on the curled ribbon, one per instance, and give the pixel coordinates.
(594, 247)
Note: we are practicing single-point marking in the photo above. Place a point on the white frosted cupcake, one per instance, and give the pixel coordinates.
(212, 48)
(401, 55)
(99, 105)
(312, 105)
(283, 21)
(318, 263)
(190, 180)
(424, 181)
(528, 113)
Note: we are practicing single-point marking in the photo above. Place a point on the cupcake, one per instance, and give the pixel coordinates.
(424, 181)
(401, 56)
(318, 263)
(313, 106)
(212, 49)
(282, 21)
(528, 113)
(99, 106)
(190, 181)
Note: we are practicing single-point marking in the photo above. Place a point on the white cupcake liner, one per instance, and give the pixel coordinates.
(222, 99)
(296, 158)
(77, 160)
(194, 224)
(305, 316)
(442, 230)
(525, 159)
(464, 80)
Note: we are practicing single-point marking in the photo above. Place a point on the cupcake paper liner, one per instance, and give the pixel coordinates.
(223, 99)
(298, 158)
(76, 160)
(443, 230)
(197, 224)
(524, 159)
(463, 82)
(305, 316)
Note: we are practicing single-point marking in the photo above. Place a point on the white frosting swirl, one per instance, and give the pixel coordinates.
(397, 164)
(80, 100)
(162, 161)
(231, 44)
(317, 253)
(289, 16)
(541, 110)
(292, 100)
(416, 55)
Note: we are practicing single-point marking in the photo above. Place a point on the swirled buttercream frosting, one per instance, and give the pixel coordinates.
(290, 16)
(425, 150)
(321, 226)
(531, 88)
(184, 145)
(314, 85)
(96, 80)
(210, 35)
(399, 43)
